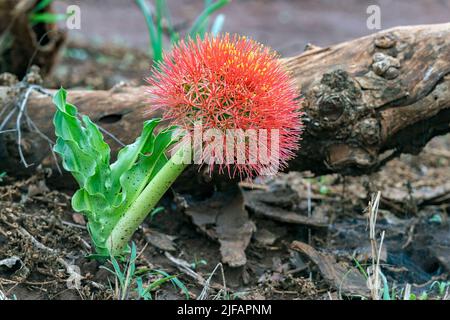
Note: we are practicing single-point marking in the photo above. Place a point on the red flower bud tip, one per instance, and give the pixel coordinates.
(227, 83)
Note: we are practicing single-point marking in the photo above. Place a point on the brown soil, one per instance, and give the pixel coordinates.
(273, 271)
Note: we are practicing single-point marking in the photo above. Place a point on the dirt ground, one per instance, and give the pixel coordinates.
(42, 240)
(37, 226)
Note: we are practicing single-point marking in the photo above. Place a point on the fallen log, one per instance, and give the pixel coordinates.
(23, 43)
(366, 101)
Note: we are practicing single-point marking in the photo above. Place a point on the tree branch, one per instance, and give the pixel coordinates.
(366, 101)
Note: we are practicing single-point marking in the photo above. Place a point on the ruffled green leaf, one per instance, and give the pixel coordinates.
(128, 156)
(106, 190)
(148, 164)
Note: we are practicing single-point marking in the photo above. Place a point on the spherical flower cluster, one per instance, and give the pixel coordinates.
(228, 83)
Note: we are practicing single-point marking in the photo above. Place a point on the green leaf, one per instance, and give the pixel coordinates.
(155, 285)
(165, 13)
(129, 155)
(386, 295)
(155, 212)
(42, 5)
(134, 180)
(87, 157)
(47, 17)
(141, 290)
(82, 148)
(175, 281)
(156, 44)
(218, 24)
(106, 191)
(199, 26)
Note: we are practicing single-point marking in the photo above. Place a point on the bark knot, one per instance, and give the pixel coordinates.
(337, 95)
(385, 66)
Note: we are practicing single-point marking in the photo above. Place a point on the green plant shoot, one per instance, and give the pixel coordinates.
(115, 196)
(154, 17)
(37, 16)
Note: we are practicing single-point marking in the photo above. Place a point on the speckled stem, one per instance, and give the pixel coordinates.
(147, 200)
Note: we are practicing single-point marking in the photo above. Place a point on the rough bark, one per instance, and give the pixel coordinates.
(366, 101)
(23, 44)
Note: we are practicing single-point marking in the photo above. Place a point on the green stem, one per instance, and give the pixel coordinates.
(200, 23)
(147, 200)
(155, 43)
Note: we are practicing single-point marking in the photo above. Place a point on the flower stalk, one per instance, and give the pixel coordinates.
(147, 200)
(226, 84)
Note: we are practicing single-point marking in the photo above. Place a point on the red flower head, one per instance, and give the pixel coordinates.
(226, 83)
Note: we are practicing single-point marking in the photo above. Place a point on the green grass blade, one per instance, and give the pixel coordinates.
(155, 44)
(386, 295)
(201, 22)
(160, 4)
(360, 268)
(165, 13)
(158, 283)
(218, 24)
(206, 4)
(47, 17)
(42, 5)
(176, 282)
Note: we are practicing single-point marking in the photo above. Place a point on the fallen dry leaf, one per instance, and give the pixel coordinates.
(224, 218)
(345, 279)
